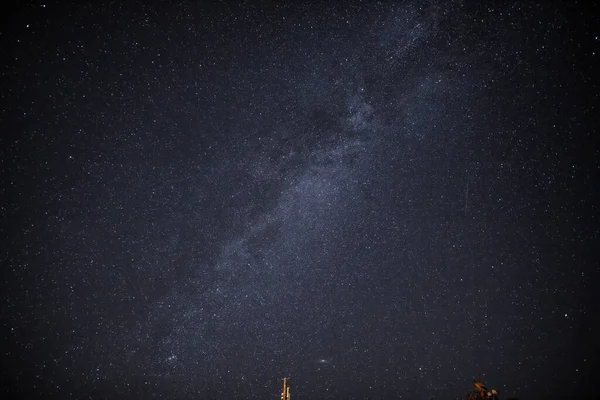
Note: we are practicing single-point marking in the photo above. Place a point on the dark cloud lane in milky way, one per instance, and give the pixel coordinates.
(372, 199)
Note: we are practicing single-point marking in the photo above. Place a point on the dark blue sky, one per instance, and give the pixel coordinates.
(375, 199)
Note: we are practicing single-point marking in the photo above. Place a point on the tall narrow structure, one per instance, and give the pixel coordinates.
(285, 393)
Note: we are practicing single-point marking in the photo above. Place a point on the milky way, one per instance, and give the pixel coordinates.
(373, 199)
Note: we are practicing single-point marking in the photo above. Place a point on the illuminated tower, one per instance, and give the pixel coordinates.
(285, 393)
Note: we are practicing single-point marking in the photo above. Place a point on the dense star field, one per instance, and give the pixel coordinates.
(375, 199)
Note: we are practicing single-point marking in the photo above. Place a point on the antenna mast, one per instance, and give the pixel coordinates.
(285, 392)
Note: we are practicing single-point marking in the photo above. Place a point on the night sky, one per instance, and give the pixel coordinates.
(374, 199)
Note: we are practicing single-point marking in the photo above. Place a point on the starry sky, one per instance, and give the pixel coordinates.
(375, 199)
